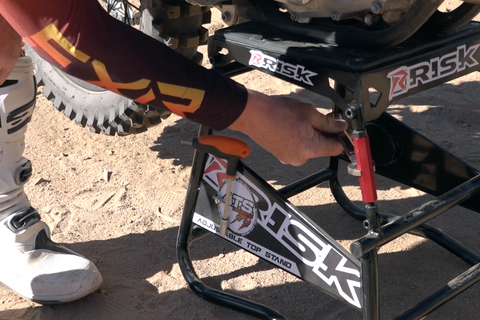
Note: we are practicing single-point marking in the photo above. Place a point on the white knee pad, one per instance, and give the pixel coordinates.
(17, 100)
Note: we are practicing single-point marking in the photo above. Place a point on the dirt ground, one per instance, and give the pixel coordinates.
(128, 224)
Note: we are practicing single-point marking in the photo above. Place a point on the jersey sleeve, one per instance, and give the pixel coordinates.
(80, 38)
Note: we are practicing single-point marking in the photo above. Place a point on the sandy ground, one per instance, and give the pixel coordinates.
(128, 225)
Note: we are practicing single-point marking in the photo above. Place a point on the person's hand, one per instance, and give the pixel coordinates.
(291, 130)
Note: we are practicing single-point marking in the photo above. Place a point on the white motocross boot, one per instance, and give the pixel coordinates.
(31, 264)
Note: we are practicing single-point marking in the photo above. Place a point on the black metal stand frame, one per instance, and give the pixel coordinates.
(427, 61)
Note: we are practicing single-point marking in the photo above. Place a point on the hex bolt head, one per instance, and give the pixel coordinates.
(218, 199)
(368, 19)
(377, 7)
(351, 112)
(366, 224)
(336, 16)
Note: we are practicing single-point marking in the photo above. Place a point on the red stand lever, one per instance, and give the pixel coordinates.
(365, 166)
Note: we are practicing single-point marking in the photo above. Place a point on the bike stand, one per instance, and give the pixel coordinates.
(273, 225)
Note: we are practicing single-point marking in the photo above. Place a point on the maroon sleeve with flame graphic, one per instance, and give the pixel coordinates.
(80, 38)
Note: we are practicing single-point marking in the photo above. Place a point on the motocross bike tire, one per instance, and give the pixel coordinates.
(445, 21)
(173, 22)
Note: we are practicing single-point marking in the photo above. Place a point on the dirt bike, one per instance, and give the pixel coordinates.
(355, 24)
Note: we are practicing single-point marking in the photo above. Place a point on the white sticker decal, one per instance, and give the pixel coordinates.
(296, 72)
(407, 77)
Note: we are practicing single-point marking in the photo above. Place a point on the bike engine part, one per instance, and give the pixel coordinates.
(304, 10)
(204, 3)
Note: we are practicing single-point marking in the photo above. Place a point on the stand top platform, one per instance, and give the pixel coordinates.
(269, 39)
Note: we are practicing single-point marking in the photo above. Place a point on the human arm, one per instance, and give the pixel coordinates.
(79, 37)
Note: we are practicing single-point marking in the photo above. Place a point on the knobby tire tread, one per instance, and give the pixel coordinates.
(174, 22)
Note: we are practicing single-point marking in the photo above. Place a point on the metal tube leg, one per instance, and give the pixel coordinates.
(445, 294)
(371, 302)
(185, 230)
(185, 238)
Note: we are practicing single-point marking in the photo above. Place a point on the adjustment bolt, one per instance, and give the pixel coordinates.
(218, 199)
(366, 224)
(351, 113)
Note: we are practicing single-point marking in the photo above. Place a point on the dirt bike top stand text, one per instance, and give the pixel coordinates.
(261, 220)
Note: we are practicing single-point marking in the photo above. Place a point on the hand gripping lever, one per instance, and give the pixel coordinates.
(230, 149)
